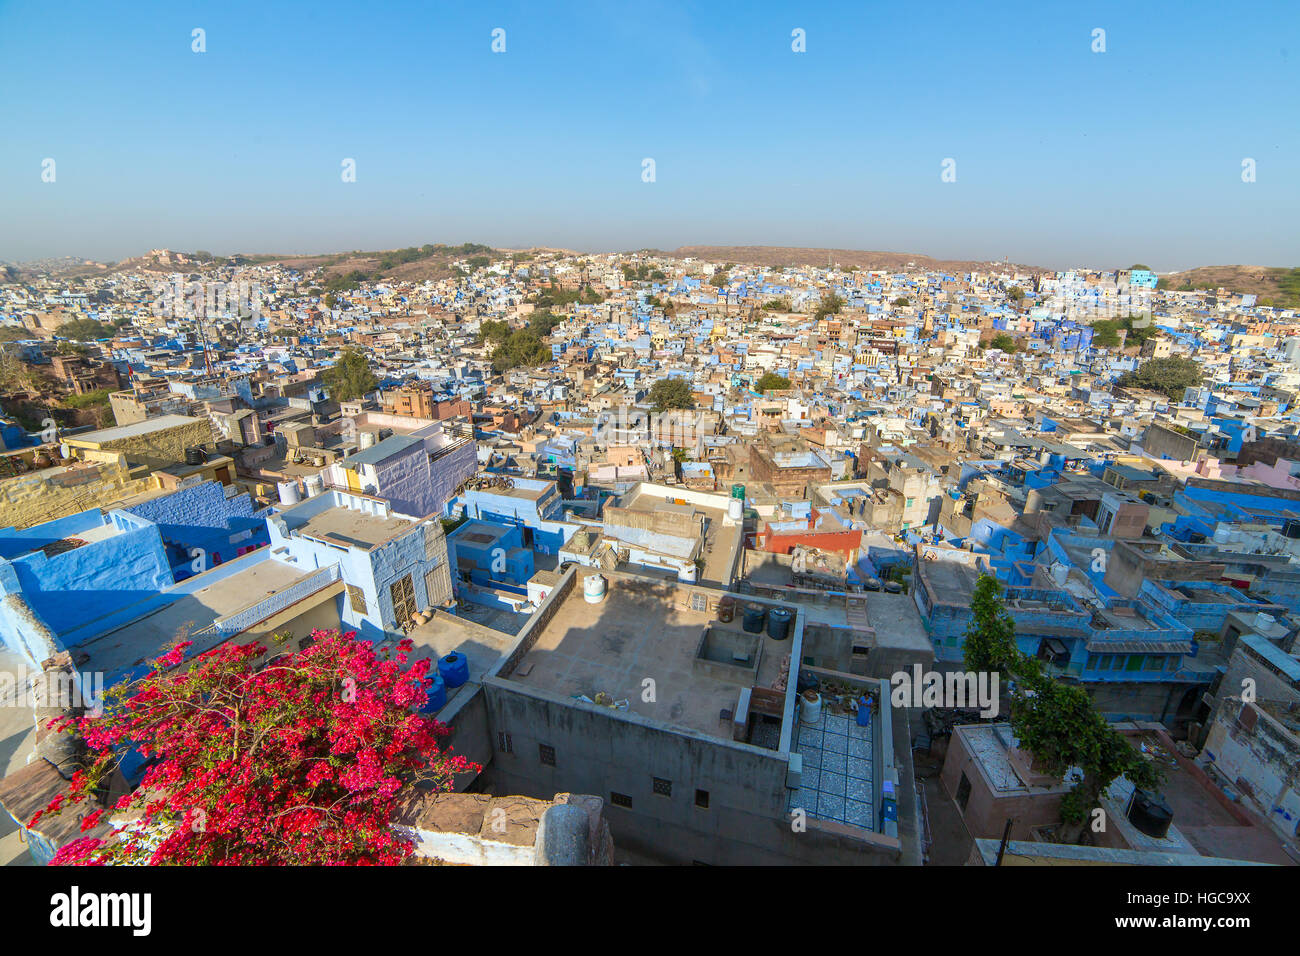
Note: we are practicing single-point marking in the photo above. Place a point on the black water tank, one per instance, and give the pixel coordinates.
(778, 623)
(755, 615)
(807, 681)
(194, 456)
(1150, 814)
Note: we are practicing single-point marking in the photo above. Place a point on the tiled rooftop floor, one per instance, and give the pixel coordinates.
(837, 778)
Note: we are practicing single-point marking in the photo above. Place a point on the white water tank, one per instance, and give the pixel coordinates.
(687, 574)
(810, 707)
(289, 492)
(366, 439)
(315, 485)
(593, 588)
(736, 509)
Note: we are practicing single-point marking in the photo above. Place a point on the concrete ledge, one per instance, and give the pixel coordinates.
(474, 829)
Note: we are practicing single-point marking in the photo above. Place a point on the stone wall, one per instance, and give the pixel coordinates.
(41, 496)
(475, 829)
(161, 447)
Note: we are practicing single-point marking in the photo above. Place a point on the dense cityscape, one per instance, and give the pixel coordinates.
(707, 560)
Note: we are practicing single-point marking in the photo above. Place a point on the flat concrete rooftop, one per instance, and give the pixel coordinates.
(1202, 820)
(146, 637)
(949, 581)
(523, 494)
(344, 526)
(133, 430)
(639, 631)
(721, 539)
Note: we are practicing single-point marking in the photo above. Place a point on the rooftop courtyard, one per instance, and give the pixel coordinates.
(646, 629)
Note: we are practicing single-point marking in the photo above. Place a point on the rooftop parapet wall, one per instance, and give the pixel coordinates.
(99, 480)
(1203, 605)
(474, 829)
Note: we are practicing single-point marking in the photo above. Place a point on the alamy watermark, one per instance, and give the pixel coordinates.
(54, 688)
(175, 298)
(633, 426)
(961, 690)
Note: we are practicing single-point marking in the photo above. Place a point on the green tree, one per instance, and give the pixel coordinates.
(1056, 722)
(350, 377)
(1139, 328)
(1015, 293)
(830, 305)
(84, 330)
(1170, 376)
(1004, 342)
(671, 393)
(1105, 334)
(541, 323)
(902, 300)
(770, 381)
(512, 348)
(990, 644)
(493, 332)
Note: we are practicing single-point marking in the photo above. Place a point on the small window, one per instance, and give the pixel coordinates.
(546, 754)
(1105, 664)
(620, 799)
(702, 799)
(1092, 661)
(699, 602)
(357, 599)
(663, 787)
(504, 743)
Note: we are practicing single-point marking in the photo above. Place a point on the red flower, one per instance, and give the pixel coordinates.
(270, 766)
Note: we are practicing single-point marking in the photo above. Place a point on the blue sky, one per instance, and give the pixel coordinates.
(1063, 156)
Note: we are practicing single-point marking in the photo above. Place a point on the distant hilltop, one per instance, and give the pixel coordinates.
(844, 258)
(1279, 286)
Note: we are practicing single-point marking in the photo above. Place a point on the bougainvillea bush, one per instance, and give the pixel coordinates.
(300, 761)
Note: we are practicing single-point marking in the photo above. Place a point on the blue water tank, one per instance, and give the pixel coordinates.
(454, 669)
(755, 615)
(778, 623)
(888, 809)
(437, 691)
(864, 711)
